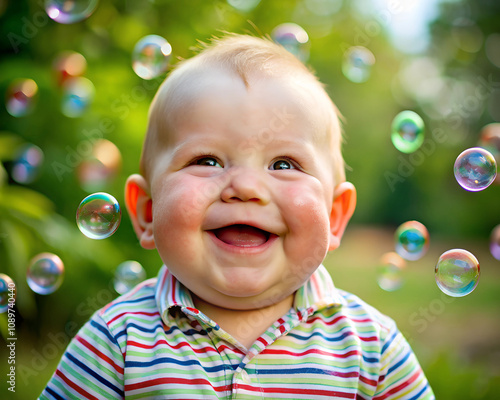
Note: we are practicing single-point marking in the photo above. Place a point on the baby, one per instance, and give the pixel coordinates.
(242, 192)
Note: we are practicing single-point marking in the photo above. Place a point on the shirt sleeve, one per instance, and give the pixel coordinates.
(91, 367)
(401, 376)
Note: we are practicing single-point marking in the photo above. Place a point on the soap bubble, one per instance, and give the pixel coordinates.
(127, 275)
(78, 93)
(98, 216)
(457, 272)
(411, 240)
(7, 287)
(475, 169)
(27, 164)
(495, 242)
(21, 97)
(69, 64)
(293, 38)
(357, 64)
(151, 56)
(244, 5)
(101, 167)
(389, 273)
(70, 11)
(407, 132)
(45, 273)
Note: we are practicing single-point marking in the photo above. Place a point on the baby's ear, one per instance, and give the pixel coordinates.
(140, 207)
(344, 203)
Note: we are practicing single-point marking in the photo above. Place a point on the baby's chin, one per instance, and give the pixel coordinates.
(244, 299)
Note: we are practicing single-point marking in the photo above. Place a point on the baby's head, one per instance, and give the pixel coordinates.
(242, 187)
(247, 58)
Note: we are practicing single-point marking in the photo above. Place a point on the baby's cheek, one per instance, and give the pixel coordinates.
(184, 202)
(307, 208)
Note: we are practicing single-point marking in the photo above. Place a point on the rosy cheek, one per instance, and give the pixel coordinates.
(183, 201)
(307, 205)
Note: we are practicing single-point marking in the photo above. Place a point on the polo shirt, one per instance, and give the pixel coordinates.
(152, 343)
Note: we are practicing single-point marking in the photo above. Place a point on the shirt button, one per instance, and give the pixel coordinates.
(245, 377)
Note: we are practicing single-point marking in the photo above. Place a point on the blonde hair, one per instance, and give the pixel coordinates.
(243, 55)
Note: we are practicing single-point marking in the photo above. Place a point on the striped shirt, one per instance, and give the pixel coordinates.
(153, 343)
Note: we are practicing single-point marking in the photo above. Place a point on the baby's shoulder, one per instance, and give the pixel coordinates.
(363, 314)
(138, 303)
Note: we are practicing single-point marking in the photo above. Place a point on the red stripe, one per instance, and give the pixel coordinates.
(101, 355)
(337, 319)
(310, 351)
(329, 393)
(75, 387)
(149, 314)
(399, 387)
(203, 350)
(370, 382)
(179, 381)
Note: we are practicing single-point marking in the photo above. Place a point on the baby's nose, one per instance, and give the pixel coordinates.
(246, 184)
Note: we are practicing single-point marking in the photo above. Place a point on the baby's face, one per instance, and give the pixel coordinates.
(243, 192)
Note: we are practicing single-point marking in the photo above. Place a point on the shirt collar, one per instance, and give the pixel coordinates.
(316, 293)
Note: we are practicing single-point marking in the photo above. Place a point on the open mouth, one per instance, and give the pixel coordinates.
(242, 235)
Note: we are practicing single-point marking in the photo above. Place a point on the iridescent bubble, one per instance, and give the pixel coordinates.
(495, 242)
(27, 164)
(98, 216)
(244, 5)
(390, 271)
(7, 291)
(457, 272)
(407, 131)
(293, 38)
(151, 56)
(45, 273)
(21, 97)
(78, 94)
(475, 169)
(411, 240)
(101, 167)
(70, 11)
(357, 64)
(69, 64)
(127, 275)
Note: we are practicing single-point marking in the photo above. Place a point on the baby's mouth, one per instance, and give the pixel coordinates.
(242, 235)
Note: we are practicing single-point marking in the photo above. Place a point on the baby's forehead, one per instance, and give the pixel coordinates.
(200, 82)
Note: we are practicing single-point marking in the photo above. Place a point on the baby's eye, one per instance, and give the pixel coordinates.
(282, 164)
(208, 161)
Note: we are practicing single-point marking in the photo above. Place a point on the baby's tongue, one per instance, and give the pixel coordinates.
(241, 235)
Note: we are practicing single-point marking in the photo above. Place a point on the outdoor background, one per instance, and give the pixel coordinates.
(440, 59)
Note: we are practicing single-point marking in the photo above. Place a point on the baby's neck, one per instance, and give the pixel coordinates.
(245, 326)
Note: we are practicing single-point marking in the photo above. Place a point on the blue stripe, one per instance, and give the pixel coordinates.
(338, 338)
(306, 370)
(398, 364)
(134, 301)
(389, 341)
(103, 330)
(169, 360)
(417, 396)
(139, 328)
(53, 394)
(94, 374)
